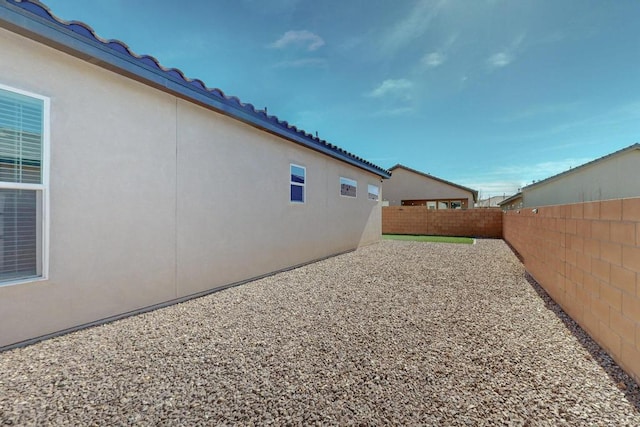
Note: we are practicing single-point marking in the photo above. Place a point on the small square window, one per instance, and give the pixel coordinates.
(348, 187)
(297, 183)
(374, 192)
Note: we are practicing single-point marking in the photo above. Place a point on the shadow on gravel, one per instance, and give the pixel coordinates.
(625, 383)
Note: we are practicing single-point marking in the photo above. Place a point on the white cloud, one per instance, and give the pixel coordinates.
(507, 55)
(398, 88)
(414, 25)
(501, 59)
(440, 55)
(304, 38)
(433, 59)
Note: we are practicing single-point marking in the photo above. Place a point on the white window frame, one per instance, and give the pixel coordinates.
(303, 185)
(43, 187)
(355, 185)
(377, 187)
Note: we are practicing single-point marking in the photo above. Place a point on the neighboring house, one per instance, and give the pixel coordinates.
(124, 185)
(511, 203)
(491, 202)
(409, 187)
(613, 176)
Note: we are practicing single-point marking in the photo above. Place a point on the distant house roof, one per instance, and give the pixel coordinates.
(490, 202)
(625, 150)
(474, 192)
(34, 20)
(510, 199)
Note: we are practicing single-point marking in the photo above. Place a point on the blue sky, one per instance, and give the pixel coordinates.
(491, 94)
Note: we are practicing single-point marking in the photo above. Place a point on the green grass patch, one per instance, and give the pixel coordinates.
(433, 239)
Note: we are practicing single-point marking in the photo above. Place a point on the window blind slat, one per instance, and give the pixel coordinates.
(20, 138)
(18, 233)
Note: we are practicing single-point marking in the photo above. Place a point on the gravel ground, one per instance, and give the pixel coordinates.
(394, 333)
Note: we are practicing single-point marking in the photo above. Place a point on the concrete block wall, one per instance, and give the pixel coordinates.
(587, 257)
(453, 222)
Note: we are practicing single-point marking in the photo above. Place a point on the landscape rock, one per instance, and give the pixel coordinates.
(393, 333)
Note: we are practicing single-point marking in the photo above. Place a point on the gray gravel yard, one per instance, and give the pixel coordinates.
(394, 333)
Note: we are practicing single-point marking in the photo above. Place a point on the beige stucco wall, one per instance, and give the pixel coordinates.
(233, 183)
(611, 178)
(154, 198)
(407, 185)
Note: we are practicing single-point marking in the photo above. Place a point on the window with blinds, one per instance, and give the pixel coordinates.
(22, 185)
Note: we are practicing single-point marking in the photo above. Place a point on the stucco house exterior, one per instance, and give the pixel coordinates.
(410, 187)
(126, 186)
(614, 176)
(512, 202)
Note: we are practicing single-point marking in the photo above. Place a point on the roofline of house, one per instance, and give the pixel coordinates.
(510, 199)
(632, 147)
(34, 20)
(472, 191)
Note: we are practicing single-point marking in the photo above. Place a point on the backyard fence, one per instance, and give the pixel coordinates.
(587, 257)
(451, 222)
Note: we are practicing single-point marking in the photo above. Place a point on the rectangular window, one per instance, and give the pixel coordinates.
(443, 205)
(374, 192)
(431, 205)
(23, 185)
(456, 204)
(298, 179)
(348, 187)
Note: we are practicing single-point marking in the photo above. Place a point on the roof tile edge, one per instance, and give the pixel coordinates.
(119, 48)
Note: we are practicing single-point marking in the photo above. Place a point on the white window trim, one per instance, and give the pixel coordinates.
(43, 187)
(303, 185)
(340, 188)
